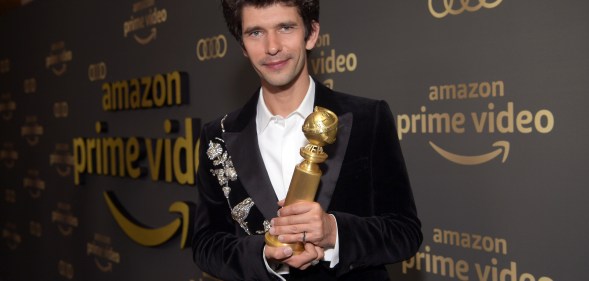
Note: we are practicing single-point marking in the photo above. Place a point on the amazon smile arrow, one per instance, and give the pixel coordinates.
(503, 147)
(147, 236)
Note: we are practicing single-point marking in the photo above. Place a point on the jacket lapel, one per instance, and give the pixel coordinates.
(242, 144)
(336, 151)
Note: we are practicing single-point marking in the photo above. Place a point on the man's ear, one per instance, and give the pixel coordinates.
(244, 51)
(312, 40)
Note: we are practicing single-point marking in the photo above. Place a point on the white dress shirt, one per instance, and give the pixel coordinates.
(280, 139)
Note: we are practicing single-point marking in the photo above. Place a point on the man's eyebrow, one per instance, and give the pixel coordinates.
(278, 25)
(251, 29)
(286, 23)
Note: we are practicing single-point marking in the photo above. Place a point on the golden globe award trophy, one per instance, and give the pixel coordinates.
(320, 128)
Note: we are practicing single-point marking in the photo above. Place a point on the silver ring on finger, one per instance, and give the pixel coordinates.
(304, 237)
(314, 262)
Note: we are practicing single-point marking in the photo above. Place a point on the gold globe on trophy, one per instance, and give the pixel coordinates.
(320, 128)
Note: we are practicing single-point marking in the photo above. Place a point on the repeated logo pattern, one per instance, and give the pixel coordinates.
(211, 48)
(449, 7)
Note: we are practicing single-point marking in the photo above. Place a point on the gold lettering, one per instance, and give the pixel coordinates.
(80, 159)
(439, 118)
(472, 90)
(437, 236)
(333, 63)
(462, 91)
(450, 10)
(116, 148)
(132, 152)
(524, 118)
(145, 92)
(470, 241)
(476, 244)
(146, 102)
(120, 95)
(548, 117)
(174, 87)
(472, 94)
(447, 92)
(433, 93)
(168, 160)
(90, 145)
(106, 97)
(159, 91)
(135, 99)
(184, 144)
(154, 159)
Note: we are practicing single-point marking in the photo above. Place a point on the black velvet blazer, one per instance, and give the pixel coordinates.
(364, 185)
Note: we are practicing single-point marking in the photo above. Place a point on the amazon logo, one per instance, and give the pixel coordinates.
(8, 155)
(148, 236)
(32, 130)
(58, 58)
(104, 254)
(64, 218)
(33, 184)
(142, 23)
(502, 148)
(498, 120)
(62, 159)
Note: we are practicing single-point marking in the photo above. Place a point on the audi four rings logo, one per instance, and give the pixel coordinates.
(464, 6)
(211, 48)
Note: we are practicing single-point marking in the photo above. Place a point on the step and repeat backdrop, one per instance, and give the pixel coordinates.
(101, 103)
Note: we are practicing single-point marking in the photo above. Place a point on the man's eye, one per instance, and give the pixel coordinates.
(286, 28)
(255, 33)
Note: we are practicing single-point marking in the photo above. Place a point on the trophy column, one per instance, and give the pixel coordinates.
(320, 128)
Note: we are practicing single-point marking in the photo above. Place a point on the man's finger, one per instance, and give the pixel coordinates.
(277, 253)
(296, 208)
(304, 259)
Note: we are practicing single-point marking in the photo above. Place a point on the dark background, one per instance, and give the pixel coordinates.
(536, 200)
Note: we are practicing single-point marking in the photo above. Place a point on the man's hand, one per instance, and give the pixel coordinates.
(304, 220)
(301, 261)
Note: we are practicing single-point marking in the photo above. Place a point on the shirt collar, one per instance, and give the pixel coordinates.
(264, 116)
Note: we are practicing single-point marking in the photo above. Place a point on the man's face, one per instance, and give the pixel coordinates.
(274, 42)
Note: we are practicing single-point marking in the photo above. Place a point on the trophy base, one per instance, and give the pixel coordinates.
(272, 240)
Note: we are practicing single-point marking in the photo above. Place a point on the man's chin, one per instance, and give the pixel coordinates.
(282, 82)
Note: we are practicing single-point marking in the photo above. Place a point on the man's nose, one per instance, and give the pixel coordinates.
(273, 44)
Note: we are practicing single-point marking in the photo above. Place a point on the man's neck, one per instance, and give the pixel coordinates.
(284, 100)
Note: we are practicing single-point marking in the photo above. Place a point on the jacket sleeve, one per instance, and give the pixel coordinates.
(392, 232)
(217, 249)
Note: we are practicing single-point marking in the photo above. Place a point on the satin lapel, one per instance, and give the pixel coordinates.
(244, 150)
(324, 97)
(333, 164)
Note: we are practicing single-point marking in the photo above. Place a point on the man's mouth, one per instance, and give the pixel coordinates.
(275, 65)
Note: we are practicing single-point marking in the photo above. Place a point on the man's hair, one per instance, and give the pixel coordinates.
(232, 10)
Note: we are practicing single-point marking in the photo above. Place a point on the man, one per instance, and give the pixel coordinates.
(365, 215)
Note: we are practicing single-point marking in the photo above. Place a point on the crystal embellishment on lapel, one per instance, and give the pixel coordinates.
(267, 225)
(241, 211)
(226, 172)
